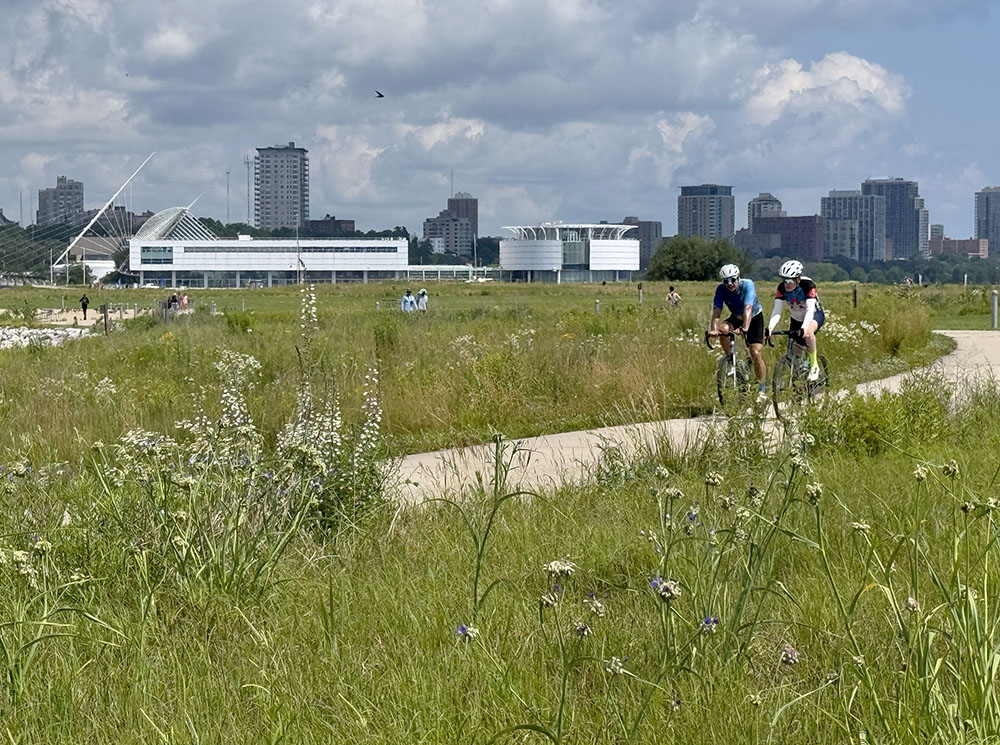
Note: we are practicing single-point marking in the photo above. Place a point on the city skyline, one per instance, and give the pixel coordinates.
(794, 99)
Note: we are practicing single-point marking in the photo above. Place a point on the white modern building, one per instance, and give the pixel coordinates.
(560, 252)
(174, 248)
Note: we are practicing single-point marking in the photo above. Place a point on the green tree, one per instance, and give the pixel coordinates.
(691, 258)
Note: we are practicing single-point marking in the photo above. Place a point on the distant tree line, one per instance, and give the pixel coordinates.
(689, 258)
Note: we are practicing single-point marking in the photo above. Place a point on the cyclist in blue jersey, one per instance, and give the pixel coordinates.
(746, 316)
(804, 307)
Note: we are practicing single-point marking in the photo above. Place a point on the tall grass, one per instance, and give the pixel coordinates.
(240, 578)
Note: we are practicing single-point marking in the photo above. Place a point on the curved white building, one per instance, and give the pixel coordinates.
(562, 252)
(174, 248)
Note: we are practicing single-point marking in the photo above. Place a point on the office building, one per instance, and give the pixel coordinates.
(449, 233)
(801, 236)
(764, 204)
(558, 252)
(972, 248)
(905, 217)
(281, 187)
(988, 217)
(707, 211)
(467, 206)
(923, 223)
(937, 231)
(62, 204)
(855, 225)
(650, 235)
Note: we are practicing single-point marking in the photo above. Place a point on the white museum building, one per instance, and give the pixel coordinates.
(564, 252)
(174, 248)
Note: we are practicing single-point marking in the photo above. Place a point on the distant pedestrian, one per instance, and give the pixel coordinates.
(184, 301)
(672, 297)
(409, 303)
(84, 303)
(422, 299)
(174, 302)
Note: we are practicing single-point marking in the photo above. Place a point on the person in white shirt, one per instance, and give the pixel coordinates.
(422, 299)
(409, 303)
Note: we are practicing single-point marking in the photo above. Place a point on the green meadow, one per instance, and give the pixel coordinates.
(199, 544)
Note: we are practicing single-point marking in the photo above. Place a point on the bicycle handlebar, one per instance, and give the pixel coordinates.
(708, 336)
(796, 336)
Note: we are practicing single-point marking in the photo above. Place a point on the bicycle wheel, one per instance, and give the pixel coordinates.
(732, 379)
(788, 384)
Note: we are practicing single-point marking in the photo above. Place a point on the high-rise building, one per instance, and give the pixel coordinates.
(466, 205)
(937, 231)
(905, 222)
(923, 223)
(988, 217)
(64, 203)
(650, 235)
(855, 225)
(449, 233)
(801, 235)
(764, 204)
(281, 187)
(707, 211)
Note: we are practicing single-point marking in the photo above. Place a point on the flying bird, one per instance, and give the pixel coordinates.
(378, 94)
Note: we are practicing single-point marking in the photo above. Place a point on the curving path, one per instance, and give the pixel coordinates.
(549, 461)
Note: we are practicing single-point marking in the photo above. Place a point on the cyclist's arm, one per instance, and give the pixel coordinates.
(747, 317)
(779, 304)
(810, 312)
(714, 327)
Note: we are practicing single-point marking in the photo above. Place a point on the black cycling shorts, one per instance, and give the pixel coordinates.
(818, 317)
(754, 334)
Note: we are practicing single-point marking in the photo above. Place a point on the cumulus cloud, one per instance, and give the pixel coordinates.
(838, 82)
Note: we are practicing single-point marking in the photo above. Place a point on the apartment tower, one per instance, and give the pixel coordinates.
(281, 187)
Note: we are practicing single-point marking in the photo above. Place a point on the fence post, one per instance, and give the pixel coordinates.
(597, 305)
(377, 305)
(213, 307)
(854, 295)
(994, 308)
(640, 293)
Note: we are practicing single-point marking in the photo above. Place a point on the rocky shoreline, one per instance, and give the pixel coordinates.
(22, 336)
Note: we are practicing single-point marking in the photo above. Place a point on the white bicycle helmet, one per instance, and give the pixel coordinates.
(791, 269)
(729, 271)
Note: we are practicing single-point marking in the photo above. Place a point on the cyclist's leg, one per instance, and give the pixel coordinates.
(809, 334)
(726, 327)
(755, 343)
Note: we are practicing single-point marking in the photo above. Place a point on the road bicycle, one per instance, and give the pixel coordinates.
(734, 377)
(790, 384)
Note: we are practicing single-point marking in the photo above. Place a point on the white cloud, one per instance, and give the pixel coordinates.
(838, 82)
(170, 43)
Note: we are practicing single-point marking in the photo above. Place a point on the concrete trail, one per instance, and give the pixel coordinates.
(548, 461)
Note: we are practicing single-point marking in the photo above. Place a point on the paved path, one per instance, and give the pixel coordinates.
(548, 461)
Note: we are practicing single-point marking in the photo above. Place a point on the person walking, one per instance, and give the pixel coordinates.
(422, 299)
(409, 303)
(84, 304)
(184, 301)
(672, 297)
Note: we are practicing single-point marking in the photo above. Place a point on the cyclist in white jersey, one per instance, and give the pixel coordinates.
(804, 307)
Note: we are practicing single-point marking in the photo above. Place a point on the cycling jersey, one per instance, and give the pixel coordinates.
(736, 300)
(796, 299)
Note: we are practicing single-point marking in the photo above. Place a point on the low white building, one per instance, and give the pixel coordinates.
(561, 252)
(173, 248)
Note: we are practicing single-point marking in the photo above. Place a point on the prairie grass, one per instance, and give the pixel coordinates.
(519, 359)
(240, 578)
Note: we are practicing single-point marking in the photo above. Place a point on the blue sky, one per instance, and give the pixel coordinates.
(579, 110)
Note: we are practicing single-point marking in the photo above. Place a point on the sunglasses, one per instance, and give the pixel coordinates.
(730, 281)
